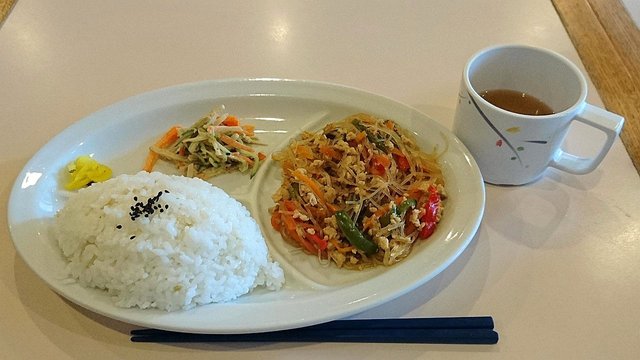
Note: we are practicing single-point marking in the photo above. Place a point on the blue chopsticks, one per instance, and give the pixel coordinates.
(477, 330)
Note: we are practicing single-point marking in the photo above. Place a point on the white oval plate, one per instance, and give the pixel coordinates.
(119, 136)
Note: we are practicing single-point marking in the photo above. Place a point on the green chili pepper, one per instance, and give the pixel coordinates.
(379, 143)
(405, 205)
(353, 235)
(400, 210)
(386, 218)
(363, 212)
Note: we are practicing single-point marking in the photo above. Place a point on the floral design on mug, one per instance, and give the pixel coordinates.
(503, 139)
(495, 129)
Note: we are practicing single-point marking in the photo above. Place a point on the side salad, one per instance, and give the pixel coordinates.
(216, 144)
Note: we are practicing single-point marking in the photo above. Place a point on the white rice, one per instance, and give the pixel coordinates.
(203, 247)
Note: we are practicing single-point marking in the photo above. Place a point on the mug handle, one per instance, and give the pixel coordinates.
(608, 122)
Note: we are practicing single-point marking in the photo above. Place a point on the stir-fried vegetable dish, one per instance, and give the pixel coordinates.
(359, 193)
(214, 145)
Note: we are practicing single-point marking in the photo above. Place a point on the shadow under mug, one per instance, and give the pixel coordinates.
(515, 149)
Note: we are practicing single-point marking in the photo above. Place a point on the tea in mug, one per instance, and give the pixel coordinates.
(517, 102)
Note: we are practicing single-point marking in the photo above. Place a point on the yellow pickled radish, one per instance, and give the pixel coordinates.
(84, 171)
(100, 173)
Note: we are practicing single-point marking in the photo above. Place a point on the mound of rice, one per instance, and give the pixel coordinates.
(160, 241)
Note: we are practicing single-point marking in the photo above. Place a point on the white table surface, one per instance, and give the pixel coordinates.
(556, 263)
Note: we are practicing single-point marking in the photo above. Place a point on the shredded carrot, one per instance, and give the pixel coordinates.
(289, 223)
(316, 238)
(320, 242)
(382, 160)
(291, 226)
(382, 210)
(231, 121)
(315, 188)
(401, 159)
(379, 164)
(249, 129)
(306, 225)
(241, 157)
(330, 152)
(415, 193)
(261, 156)
(317, 212)
(389, 124)
(290, 205)
(309, 182)
(287, 166)
(276, 220)
(306, 244)
(396, 151)
(332, 207)
(409, 228)
(341, 249)
(167, 139)
(150, 161)
(368, 222)
(304, 151)
(360, 136)
(229, 141)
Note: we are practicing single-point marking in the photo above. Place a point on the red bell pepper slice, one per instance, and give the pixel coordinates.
(320, 243)
(429, 219)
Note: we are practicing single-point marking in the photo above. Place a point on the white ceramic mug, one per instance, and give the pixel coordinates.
(515, 149)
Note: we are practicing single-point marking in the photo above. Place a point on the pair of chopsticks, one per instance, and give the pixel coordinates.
(445, 330)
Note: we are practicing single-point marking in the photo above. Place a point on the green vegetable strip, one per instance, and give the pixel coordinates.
(353, 235)
(386, 218)
(400, 210)
(405, 205)
(379, 143)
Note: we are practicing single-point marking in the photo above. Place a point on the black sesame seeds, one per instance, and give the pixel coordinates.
(139, 208)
